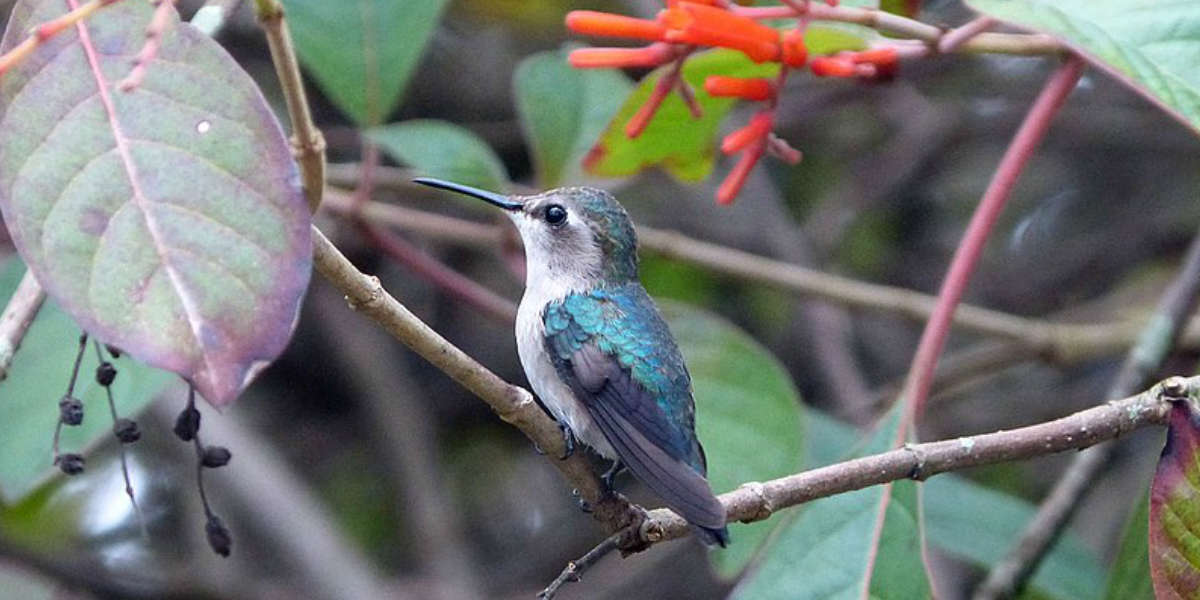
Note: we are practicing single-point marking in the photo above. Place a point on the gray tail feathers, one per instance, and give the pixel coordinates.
(680, 485)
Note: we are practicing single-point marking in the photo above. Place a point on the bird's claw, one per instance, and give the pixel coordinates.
(568, 441)
(609, 477)
(583, 505)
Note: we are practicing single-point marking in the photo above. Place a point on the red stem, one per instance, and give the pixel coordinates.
(1032, 130)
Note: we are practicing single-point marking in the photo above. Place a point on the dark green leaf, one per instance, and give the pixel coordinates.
(1130, 575)
(563, 110)
(865, 543)
(1175, 509)
(36, 381)
(975, 523)
(748, 415)
(905, 8)
(168, 221)
(444, 150)
(1151, 45)
(362, 52)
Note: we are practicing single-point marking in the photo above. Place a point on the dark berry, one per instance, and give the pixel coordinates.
(126, 430)
(106, 373)
(71, 464)
(218, 536)
(215, 456)
(187, 424)
(113, 350)
(70, 411)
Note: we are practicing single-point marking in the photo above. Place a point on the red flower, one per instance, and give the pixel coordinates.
(754, 131)
(755, 88)
(702, 25)
(604, 58)
(603, 24)
(828, 66)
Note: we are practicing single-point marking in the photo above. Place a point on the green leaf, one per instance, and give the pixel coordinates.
(444, 150)
(748, 415)
(37, 380)
(1151, 45)
(953, 507)
(834, 38)
(168, 220)
(674, 140)
(563, 110)
(865, 543)
(1175, 509)
(1130, 575)
(904, 8)
(362, 52)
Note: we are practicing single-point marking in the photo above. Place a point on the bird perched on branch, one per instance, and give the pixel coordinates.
(598, 353)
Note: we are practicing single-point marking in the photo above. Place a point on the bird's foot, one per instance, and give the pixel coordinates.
(583, 505)
(609, 477)
(568, 441)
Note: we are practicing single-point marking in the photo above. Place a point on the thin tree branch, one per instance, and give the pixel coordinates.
(1143, 359)
(951, 40)
(39, 34)
(308, 145)
(966, 256)
(575, 569)
(883, 21)
(756, 501)
(17, 317)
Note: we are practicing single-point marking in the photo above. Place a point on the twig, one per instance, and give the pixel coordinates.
(575, 569)
(1029, 135)
(211, 18)
(1143, 359)
(1001, 43)
(154, 36)
(954, 38)
(308, 144)
(47, 30)
(757, 501)
(112, 409)
(18, 315)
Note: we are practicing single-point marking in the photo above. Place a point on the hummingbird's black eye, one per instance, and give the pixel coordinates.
(556, 214)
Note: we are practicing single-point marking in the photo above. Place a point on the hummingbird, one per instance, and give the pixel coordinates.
(598, 353)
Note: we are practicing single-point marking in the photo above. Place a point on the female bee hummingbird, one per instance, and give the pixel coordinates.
(596, 350)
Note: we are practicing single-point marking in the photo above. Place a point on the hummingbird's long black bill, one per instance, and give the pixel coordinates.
(490, 197)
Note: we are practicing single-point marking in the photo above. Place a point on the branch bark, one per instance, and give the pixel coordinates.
(18, 315)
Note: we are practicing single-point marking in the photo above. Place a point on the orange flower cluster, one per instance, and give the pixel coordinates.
(687, 24)
(692, 23)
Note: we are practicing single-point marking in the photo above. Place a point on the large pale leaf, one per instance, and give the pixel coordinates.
(37, 380)
(362, 52)
(563, 110)
(1130, 575)
(675, 140)
(862, 544)
(975, 523)
(444, 150)
(748, 415)
(1152, 45)
(1175, 509)
(168, 221)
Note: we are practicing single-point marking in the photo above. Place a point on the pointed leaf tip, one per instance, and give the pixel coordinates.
(1175, 509)
(168, 220)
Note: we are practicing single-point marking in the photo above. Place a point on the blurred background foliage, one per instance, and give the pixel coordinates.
(432, 496)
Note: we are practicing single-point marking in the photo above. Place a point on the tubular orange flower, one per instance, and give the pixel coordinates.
(880, 57)
(737, 176)
(755, 88)
(794, 51)
(589, 22)
(608, 58)
(754, 131)
(825, 66)
(703, 25)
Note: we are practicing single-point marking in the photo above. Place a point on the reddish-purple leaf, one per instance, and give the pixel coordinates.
(168, 221)
(1175, 509)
